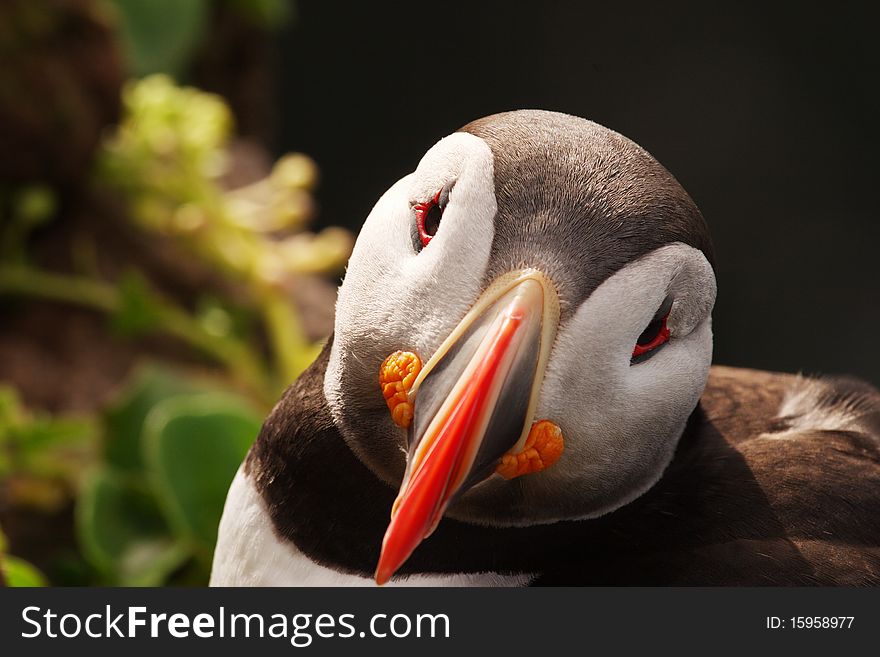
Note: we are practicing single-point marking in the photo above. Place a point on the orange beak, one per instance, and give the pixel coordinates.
(474, 401)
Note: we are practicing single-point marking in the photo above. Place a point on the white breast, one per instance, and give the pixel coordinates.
(249, 553)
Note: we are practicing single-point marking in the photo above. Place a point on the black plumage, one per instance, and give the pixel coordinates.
(749, 498)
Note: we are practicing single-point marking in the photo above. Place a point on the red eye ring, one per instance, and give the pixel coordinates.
(426, 223)
(661, 338)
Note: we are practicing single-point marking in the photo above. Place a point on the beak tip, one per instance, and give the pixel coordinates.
(383, 573)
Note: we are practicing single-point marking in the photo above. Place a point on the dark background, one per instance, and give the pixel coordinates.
(766, 115)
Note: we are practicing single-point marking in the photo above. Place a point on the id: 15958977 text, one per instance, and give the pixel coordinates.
(809, 622)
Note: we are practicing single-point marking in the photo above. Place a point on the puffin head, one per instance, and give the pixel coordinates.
(538, 269)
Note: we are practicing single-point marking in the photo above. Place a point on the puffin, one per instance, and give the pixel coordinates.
(519, 391)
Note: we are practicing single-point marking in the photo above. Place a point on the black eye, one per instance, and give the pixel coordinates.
(432, 221)
(651, 333)
(428, 216)
(655, 335)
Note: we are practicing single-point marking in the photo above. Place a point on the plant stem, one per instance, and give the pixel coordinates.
(235, 355)
(57, 287)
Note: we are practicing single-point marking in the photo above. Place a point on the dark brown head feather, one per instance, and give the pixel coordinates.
(579, 201)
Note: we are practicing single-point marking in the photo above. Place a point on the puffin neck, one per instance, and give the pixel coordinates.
(325, 501)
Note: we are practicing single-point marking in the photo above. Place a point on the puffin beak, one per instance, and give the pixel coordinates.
(474, 401)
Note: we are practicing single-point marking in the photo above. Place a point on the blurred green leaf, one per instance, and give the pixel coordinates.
(123, 533)
(138, 309)
(124, 420)
(19, 573)
(194, 445)
(161, 36)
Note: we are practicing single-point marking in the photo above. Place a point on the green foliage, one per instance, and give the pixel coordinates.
(41, 457)
(194, 445)
(17, 572)
(124, 418)
(166, 159)
(149, 471)
(161, 36)
(123, 533)
(149, 513)
(168, 156)
(137, 312)
(168, 151)
(150, 502)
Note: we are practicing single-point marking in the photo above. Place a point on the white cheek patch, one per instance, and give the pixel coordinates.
(621, 421)
(390, 297)
(389, 287)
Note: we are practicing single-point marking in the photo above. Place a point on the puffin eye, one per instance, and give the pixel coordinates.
(428, 216)
(655, 335)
